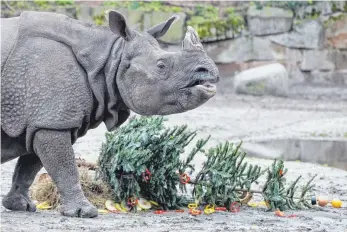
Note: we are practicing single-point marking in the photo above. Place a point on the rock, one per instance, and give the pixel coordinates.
(85, 13)
(340, 77)
(339, 58)
(269, 79)
(319, 77)
(260, 151)
(316, 60)
(269, 20)
(340, 5)
(313, 149)
(221, 34)
(295, 75)
(240, 50)
(336, 33)
(309, 35)
(134, 18)
(69, 11)
(177, 30)
(292, 57)
(324, 7)
(252, 64)
(339, 41)
(326, 78)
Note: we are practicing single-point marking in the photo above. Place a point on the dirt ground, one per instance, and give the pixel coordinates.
(226, 117)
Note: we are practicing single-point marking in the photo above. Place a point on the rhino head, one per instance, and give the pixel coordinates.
(152, 81)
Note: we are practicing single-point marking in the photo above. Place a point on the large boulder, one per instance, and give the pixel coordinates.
(269, 20)
(269, 79)
(308, 35)
(239, 50)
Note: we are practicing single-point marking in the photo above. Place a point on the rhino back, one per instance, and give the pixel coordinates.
(9, 32)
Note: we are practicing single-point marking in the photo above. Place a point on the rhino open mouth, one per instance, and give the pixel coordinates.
(207, 85)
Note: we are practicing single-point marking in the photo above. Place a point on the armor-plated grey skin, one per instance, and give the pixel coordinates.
(61, 77)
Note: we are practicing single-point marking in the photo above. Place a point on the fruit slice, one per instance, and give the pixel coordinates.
(124, 207)
(322, 202)
(144, 204)
(120, 208)
(279, 213)
(154, 203)
(102, 211)
(44, 205)
(336, 203)
(111, 206)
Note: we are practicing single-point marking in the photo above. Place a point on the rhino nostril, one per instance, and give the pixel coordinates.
(201, 69)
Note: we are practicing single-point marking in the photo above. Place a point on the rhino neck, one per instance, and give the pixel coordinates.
(115, 112)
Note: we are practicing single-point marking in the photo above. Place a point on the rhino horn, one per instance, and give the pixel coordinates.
(191, 40)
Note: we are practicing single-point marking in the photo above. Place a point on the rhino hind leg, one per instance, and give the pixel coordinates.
(54, 148)
(24, 174)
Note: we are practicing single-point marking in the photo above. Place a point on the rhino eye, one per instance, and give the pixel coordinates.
(161, 65)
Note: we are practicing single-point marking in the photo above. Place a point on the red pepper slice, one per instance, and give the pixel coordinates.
(220, 208)
(146, 175)
(159, 211)
(195, 212)
(235, 207)
(114, 211)
(292, 216)
(179, 211)
(132, 201)
(184, 178)
(281, 172)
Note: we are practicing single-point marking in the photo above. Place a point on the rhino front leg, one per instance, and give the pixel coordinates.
(55, 151)
(24, 174)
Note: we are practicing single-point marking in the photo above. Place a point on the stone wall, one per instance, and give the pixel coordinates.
(313, 49)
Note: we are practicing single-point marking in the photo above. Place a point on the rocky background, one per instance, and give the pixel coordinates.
(287, 48)
(308, 38)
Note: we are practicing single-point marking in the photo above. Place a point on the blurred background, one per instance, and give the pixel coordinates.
(283, 66)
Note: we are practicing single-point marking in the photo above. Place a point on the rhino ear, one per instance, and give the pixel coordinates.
(119, 26)
(160, 30)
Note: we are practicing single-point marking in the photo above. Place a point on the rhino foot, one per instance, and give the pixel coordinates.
(82, 209)
(18, 202)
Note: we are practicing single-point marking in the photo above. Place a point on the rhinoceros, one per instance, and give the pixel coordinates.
(61, 77)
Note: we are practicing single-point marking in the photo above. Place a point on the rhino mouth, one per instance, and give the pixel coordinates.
(205, 84)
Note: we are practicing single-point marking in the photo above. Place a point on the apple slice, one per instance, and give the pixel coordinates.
(144, 204)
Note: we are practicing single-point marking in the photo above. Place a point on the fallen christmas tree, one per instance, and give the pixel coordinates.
(142, 160)
(140, 167)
